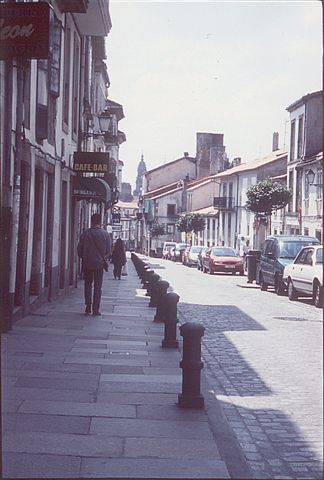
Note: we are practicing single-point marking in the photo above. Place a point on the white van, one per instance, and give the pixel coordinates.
(165, 248)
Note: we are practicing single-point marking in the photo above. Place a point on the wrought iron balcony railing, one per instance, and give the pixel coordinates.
(224, 203)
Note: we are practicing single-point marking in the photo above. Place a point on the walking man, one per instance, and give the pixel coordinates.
(94, 248)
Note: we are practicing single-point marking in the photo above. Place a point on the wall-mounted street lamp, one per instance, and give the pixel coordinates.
(106, 122)
(106, 126)
(310, 177)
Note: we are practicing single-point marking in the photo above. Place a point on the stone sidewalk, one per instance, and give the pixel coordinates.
(87, 396)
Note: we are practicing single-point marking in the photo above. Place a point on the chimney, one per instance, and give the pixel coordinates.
(236, 161)
(185, 154)
(275, 141)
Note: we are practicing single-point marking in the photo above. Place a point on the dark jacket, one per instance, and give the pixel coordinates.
(118, 256)
(94, 247)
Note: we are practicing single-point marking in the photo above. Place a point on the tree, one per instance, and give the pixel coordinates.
(197, 222)
(267, 196)
(191, 222)
(157, 229)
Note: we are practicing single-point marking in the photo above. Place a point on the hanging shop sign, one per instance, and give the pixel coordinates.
(91, 188)
(24, 30)
(91, 162)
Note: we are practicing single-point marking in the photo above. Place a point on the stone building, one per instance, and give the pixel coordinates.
(51, 105)
(304, 214)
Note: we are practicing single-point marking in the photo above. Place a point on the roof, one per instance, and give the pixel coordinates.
(303, 100)
(168, 192)
(191, 159)
(260, 162)
(208, 211)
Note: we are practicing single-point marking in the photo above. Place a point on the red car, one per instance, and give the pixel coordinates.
(223, 259)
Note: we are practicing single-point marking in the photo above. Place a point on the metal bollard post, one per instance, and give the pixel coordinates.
(144, 274)
(148, 276)
(162, 286)
(152, 289)
(191, 365)
(170, 321)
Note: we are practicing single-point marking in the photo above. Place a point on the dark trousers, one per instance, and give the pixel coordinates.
(117, 269)
(93, 277)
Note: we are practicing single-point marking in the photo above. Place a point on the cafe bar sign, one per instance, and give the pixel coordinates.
(24, 30)
(91, 162)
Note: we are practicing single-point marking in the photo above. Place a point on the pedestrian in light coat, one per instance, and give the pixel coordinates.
(118, 258)
(94, 249)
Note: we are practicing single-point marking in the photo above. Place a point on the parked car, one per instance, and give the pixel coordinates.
(200, 257)
(192, 255)
(304, 276)
(177, 250)
(165, 248)
(223, 259)
(277, 252)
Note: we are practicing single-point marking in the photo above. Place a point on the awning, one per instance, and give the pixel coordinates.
(91, 188)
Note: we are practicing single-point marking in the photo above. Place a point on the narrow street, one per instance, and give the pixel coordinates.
(263, 360)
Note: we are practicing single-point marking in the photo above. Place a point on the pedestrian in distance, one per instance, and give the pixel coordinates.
(94, 249)
(118, 257)
(246, 249)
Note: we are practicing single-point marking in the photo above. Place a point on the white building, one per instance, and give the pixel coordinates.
(305, 212)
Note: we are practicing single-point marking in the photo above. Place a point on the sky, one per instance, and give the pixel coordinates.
(220, 66)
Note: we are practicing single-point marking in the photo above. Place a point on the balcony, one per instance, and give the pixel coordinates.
(96, 21)
(73, 6)
(224, 203)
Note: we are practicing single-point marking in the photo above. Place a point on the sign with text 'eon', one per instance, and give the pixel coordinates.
(91, 162)
(24, 30)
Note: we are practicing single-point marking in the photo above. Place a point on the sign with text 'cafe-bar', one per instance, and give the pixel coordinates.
(91, 162)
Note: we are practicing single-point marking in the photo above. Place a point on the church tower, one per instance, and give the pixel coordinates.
(141, 169)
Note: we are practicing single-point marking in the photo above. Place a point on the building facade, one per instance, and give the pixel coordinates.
(50, 107)
(304, 214)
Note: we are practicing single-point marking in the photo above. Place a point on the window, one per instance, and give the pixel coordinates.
(319, 183)
(291, 188)
(66, 78)
(306, 231)
(27, 79)
(171, 210)
(51, 119)
(292, 140)
(306, 188)
(42, 100)
(318, 235)
(55, 58)
(300, 137)
(301, 257)
(170, 228)
(224, 189)
(319, 256)
(309, 257)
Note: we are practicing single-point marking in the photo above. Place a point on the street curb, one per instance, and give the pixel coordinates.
(227, 444)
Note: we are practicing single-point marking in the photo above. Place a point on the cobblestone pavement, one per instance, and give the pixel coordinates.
(263, 361)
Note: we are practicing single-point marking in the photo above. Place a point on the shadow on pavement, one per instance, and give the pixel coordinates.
(273, 444)
(233, 375)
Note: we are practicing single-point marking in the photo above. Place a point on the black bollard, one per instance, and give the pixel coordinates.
(162, 288)
(144, 272)
(151, 290)
(148, 275)
(191, 365)
(170, 321)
